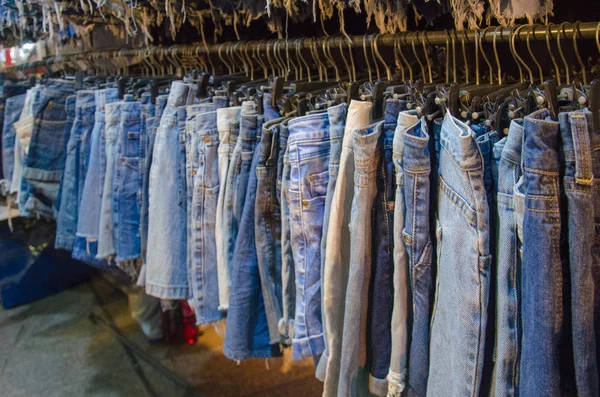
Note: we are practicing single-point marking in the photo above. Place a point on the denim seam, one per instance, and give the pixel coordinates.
(540, 172)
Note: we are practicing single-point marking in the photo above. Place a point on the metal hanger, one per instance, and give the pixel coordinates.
(551, 53)
(576, 32)
(419, 59)
(529, 32)
(560, 51)
(480, 39)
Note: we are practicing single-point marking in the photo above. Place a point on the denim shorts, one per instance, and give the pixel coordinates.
(12, 113)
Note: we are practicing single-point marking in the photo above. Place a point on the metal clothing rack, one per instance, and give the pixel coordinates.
(537, 32)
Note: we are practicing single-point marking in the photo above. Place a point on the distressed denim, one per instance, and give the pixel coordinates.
(235, 193)
(127, 187)
(88, 222)
(578, 187)
(367, 145)
(308, 152)
(66, 223)
(288, 272)
(12, 113)
(270, 112)
(247, 334)
(417, 243)
(70, 108)
(381, 288)
(166, 265)
(399, 321)
(508, 322)
(226, 119)
(45, 160)
(460, 308)
(541, 270)
(203, 273)
(106, 243)
(267, 227)
(337, 261)
(595, 136)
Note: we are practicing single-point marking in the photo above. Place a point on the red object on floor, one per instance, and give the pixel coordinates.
(190, 332)
(179, 325)
(7, 56)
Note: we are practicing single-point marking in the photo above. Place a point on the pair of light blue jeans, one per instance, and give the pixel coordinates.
(166, 263)
(463, 268)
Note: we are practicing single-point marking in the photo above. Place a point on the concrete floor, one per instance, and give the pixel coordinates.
(50, 348)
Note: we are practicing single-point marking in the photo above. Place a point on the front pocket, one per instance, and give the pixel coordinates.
(317, 184)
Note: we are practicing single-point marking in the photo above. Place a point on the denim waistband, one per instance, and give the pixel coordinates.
(459, 141)
(416, 148)
(542, 143)
(248, 127)
(248, 107)
(206, 123)
(192, 110)
(111, 111)
(284, 133)
(128, 98)
(130, 111)
(161, 102)
(270, 137)
(70, 106)
(392, 108)
(181, 94)
(85, 99)
(514, 142)
(308, 128)
(365, 142)
(406, 119)
(145, 98)
(102, 97)
(577, 145)
(337, 120)
(225, 116)
(58, 88)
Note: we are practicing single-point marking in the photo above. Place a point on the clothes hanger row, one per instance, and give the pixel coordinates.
(391, 65)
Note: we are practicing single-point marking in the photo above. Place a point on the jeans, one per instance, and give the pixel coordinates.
(106, 242)
(508, 321)
(70, 105)
(337, 253)
(309, 149)
(166, 269)
(288, 272)
(267, 226)
(367, 147)
(417, 243)
(381, 288)
(247, 334)
(88, 222)
(66, 223)
(12, 113)
(578, 176)
(227, 118)
(235, 194)
(399, 321)
(460, 308)
(270, 112)
(203, 273)
(541, 274)
(45, 160)
(127, 187)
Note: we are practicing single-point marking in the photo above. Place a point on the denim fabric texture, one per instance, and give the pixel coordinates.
(148, 121)
(235, 193)
(66, 223)
(12, 113)
(595, 142)
(45, 160)
(70, 109)
(400, 316)
(541, 270)
(367, 145)
(508, 322)
(127, 187)
(337, 261)
(460, 309)
(578, 187)
(270, 112)
(166, 266)
(227, 127)
(203, 273)
(106, 242)
(247, 335)
(288, 272)
(381, 288)
(417, 243)
(267, 227)
(308, 151)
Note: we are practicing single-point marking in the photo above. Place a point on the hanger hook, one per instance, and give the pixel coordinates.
(481, 37)
(514, 53)
(364, 42)
(410, 71)
(561, 28)
(300, 42)
(549, 47)
(598, 36)
(417, 56)
(375, 63)
(529, 33)
(423, 37)
(464, 51)
(496, 53)
(376, 48)
(452, 39)
(576, 32)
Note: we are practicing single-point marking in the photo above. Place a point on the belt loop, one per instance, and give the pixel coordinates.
(583, 150)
